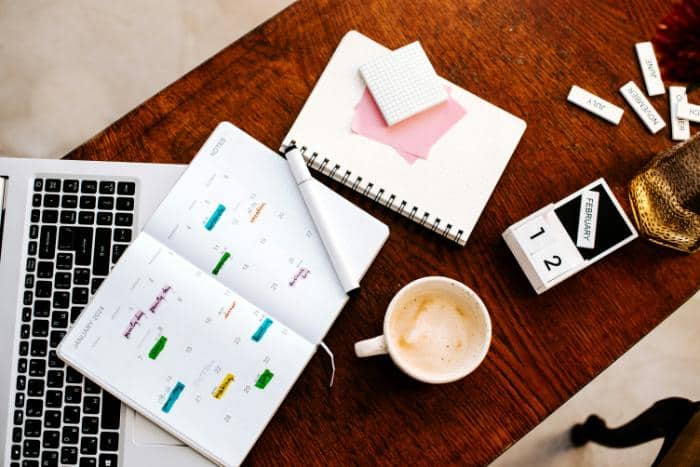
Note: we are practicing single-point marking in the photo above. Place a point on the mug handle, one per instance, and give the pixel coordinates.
(371, 347)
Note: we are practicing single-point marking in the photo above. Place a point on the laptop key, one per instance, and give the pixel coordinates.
(35, 387)
(42, 308)
(66, 238)
(55, 338)
(110, 412)
(43, 289)
(51, 439)
(53, 185)
(61, 299)
(91, 388)
(88, 462)
(31, 448)
(15, 452)
(45, 270)
(109, 441)
(37, 367)
(83, 246)
(88, 445)
(54, 379)
(32, 428)
(88, 202)
(117, 251)
(40, 328)
(86, 218)
(70, 186)
(47, 242)
(81, 296)
(36, 200)
(105, 202)
(123, 219)
(52, 419)
(24, 331)
(70, 434)
(69, 201)
(49, 216)
(108, 460)
(90, 426)
(54, 399)
(126, 188)
(35, 215)
(125, 204)
(68, 217)
(64, 261)
(38, 184)
(51, 201)
(32, 248)
(24, 348)
(31, 264)
(16, 434)
(107, 188)
(26, 314)
(91, 405)
(19, 400)
(71, 414)
(38, 348)
(104, 218)
(29, 281)
(49, 458)
(69, 455)
(28, 297)
(122, 235)
(59, 319)
(19, 416)
(62, 280)
(96, 283)
(100, 263)
(73, 376)
(88, 186)
(33, 231)
(73, 394)
(22, 365)
(75, 312)
(21, 385)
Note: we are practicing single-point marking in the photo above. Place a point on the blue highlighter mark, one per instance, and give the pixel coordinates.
(262, 329)
(174, 394)
(215, 217)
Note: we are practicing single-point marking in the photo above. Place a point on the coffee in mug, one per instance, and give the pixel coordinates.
(436, 330)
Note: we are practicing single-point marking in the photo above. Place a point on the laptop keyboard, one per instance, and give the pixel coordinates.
(78, 230)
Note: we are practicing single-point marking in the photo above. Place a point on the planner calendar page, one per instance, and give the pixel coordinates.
(186, 351)
(237, 214)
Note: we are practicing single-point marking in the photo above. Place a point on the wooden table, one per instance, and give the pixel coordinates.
(522, 55)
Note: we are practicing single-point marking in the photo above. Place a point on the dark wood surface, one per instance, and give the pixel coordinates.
(522, 55)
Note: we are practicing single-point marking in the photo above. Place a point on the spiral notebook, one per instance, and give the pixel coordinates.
(215, 309)
(445, 192)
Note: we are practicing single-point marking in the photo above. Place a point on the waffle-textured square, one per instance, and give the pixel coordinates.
(403, 83)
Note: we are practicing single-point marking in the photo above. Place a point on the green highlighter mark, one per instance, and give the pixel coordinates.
(157, 347)
(221, 262)
(263, 379)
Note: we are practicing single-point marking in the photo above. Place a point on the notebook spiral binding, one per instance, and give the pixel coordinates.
(334, 171)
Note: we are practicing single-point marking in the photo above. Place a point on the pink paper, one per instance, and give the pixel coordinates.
(413, 137)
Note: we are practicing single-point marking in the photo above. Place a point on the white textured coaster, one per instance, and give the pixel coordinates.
(403, 83)
(650, 68)
(642, 107)
(595, 105)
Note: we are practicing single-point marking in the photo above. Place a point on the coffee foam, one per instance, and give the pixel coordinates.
(438, 332)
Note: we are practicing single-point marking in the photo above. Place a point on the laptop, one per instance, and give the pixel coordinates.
(63, 226)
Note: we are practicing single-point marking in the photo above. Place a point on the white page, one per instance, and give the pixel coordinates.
(277, 258)
(153, 292)
(463, 167)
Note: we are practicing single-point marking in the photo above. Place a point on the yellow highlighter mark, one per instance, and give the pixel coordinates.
(223, 386)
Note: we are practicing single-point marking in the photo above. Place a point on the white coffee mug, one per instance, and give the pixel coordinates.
(444, 319)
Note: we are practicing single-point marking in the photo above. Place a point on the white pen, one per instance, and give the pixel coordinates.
(309, 191)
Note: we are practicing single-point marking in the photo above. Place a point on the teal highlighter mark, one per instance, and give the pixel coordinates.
(216, 215)
(221, 262)
(262, 329)
(263, 379)
(172, 398)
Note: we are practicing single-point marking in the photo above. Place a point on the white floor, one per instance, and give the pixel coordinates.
(69, 68)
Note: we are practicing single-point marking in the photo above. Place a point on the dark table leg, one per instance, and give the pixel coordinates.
(665, 419)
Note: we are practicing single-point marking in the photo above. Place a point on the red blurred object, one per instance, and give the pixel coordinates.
(677, 43)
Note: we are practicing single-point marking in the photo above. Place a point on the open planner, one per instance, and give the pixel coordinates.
(215, 309)
(444, 192)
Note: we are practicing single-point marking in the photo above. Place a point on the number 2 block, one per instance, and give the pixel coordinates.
(549, 262)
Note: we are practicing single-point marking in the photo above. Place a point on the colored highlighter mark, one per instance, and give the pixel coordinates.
(157, 347)
(172, 398)
(221, 262)
(230, 309)
(263, 379)
(215, 217)
(223, 386)
(262, 329)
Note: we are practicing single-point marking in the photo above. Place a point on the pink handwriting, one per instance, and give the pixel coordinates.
(133, 323)
(161, 296)
(302, 273)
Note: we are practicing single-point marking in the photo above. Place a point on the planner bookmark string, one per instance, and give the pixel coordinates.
(330, 354)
